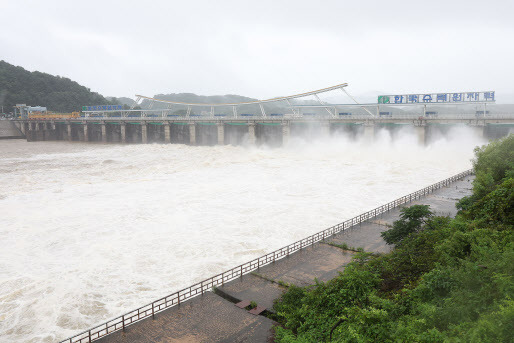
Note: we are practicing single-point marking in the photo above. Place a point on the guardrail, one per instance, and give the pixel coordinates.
(149, 310)
(320, 117)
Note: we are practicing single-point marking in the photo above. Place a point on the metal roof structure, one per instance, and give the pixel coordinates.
(257, 102)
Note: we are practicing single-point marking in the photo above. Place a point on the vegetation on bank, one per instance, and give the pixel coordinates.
(58, 94)
(446, 280)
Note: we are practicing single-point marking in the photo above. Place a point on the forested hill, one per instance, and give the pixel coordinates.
(58, 94)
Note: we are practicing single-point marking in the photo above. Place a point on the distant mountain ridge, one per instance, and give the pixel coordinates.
(210, 99)
(58, 94)
(204, 99)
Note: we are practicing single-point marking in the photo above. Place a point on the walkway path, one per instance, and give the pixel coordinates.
(213, 317)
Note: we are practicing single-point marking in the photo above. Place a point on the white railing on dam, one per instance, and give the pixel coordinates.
(121, 322)
(279, 118)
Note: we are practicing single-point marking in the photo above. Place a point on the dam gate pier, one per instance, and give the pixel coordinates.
(272, 132)
(149, 120)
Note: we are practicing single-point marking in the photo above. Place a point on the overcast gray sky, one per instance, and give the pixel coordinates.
(265, 48)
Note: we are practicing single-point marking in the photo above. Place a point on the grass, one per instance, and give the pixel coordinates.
(252, 305)
(280, 282)
(344, 246)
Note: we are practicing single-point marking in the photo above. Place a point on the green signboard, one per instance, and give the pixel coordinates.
(383, 99)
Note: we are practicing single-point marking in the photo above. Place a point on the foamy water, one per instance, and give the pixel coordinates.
(91, 231)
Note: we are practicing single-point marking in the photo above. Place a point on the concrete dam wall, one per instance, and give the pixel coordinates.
(8, 129)
(273, 133)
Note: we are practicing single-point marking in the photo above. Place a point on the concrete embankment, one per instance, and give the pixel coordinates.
(213, 316)
(9, 130)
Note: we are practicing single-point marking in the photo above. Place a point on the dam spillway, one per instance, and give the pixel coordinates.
(274, 132)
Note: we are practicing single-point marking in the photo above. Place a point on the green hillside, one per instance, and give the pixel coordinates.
(58, 94)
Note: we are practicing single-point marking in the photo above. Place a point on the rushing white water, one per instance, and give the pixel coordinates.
(90, 231)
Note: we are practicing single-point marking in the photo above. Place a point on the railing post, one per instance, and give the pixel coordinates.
(122, 322)
(201, 286)
(153, 311)
(241, 274)
(89, 336)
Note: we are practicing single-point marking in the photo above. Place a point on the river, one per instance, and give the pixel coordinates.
(90, 231)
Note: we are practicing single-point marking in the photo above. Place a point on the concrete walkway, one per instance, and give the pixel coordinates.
(206, 318)
(214, 317)
(320, 261)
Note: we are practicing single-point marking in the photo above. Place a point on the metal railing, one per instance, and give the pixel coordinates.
(166, 117)
(163, 116)
(149, 310)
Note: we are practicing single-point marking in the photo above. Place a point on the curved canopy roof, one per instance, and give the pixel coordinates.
(282, 98)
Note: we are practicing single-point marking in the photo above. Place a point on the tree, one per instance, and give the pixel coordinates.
(411, 220)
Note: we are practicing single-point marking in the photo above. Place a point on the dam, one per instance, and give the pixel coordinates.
(275, 132)
(125, 223)
(114, 123)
